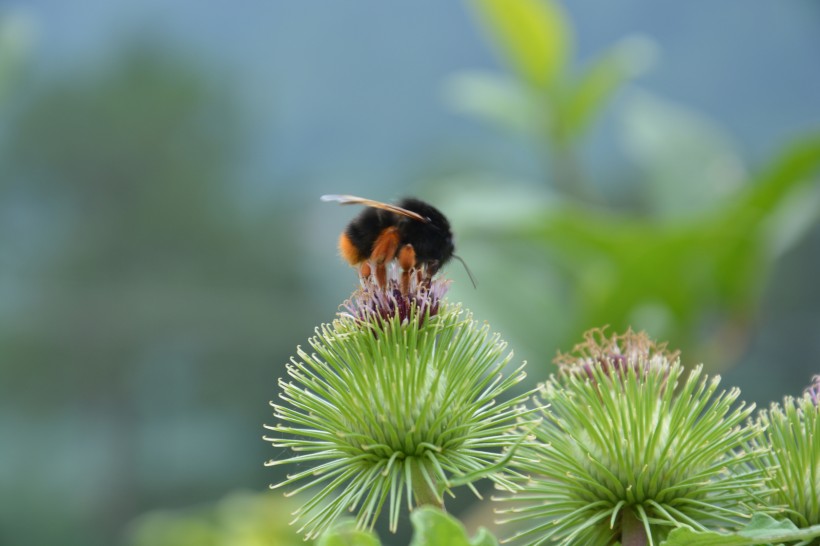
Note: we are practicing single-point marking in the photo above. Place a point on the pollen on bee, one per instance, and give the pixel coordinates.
(407, 260)
(365, 270)
(407, 257)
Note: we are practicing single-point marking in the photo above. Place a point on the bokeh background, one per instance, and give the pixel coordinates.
(163, 249)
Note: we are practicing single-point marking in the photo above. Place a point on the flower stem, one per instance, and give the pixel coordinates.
(422, 492)
(633, 532)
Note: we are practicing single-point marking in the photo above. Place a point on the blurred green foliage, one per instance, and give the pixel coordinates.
(254, 519)
(15, 38)
(124, 178)
(240, 519)
(142, 298)
(544, 97)
(431, 527)
(685, 255)
(345, 533)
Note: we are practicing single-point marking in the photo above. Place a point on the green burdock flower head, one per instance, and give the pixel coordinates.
(399, 400)
(622, 456)
(792, 437)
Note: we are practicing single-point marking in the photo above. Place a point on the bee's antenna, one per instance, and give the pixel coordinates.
(467, 269)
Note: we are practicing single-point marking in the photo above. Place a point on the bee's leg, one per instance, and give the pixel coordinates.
(364, 271)
(381, 275)
(430, 269)
(384, 250)
(407, 261)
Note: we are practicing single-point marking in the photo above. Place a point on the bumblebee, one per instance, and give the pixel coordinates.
(412, 231)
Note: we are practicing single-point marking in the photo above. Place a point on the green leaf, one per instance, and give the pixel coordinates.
(762, 529)
(495, 98)
(345, 533)
(623, 61)
(435, 528)
(687, 537)
(690, 164)
(533, 36)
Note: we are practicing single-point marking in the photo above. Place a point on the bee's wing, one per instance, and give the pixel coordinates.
(353, 200)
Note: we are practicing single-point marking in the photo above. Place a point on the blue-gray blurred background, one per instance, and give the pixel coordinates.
(163, 249)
